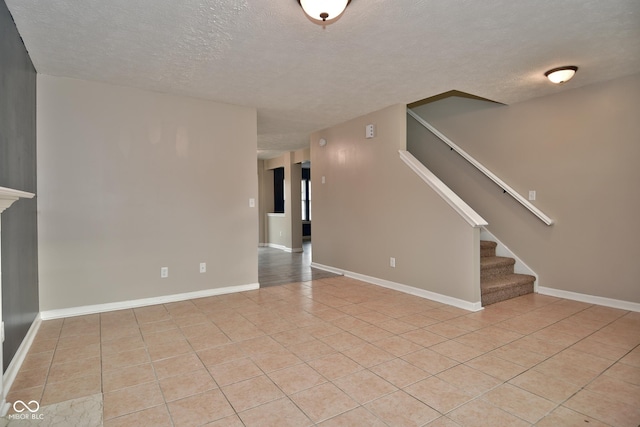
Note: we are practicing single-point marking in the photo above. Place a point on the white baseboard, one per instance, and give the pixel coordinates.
(18, 359)
(327, 268)
(591, 299)
(101, 308)
(283, 248)
(445, 299)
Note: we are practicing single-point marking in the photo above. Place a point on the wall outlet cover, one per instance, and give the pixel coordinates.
(370, 131)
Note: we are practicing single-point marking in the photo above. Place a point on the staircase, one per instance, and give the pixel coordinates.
(498, 282)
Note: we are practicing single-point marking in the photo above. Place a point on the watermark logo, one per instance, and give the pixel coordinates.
(19, 406)
(31, 408)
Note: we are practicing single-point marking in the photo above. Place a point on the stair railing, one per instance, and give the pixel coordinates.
(505, 187)
(464, 210)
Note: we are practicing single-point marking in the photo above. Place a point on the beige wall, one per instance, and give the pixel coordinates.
(279, 231)
(292, 203)
(580, 151)
(373, 207)
(131, 181)
(301, 156)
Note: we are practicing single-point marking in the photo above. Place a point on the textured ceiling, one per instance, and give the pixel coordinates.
(302, 78)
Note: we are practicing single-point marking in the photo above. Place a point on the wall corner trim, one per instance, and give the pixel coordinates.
(465, 305)
(18, 359)
(590, 299)
(101, 308)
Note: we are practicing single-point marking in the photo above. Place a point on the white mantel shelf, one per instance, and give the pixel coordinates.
(9, 195)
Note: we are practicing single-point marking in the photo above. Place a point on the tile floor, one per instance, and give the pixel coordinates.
(338, 352)
(276, 267)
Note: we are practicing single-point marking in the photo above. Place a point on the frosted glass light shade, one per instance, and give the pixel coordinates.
(323, 10)
(561, 75)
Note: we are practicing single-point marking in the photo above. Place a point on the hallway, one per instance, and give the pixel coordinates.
(276, 267)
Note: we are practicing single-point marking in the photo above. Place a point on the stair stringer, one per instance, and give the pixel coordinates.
(502, 250)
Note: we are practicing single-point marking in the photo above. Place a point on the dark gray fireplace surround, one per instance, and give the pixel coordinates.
(18, 171)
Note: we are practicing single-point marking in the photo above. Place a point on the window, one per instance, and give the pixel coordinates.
(278, 190)
(305, 197)
(305, 194)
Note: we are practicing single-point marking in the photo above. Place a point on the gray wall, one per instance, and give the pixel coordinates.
(579, 150)
(17, 170)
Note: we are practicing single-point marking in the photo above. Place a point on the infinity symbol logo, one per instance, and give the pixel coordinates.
(20, 404)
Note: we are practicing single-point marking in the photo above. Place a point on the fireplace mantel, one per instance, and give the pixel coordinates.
(9, 195)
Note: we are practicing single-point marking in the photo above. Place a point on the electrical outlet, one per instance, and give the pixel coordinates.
(392, 262)
(203, 267)
(164, 272)
(252, 203)
(370, 131)
(532, 195)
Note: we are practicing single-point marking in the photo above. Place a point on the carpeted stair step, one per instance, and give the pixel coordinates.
(505, 287)
(487, 248)
(498, 281)
(495, 266)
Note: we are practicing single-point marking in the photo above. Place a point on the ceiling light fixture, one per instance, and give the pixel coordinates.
(561, 74)
(324, 12)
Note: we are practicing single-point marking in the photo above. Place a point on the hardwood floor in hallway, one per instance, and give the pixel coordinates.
(276, 267)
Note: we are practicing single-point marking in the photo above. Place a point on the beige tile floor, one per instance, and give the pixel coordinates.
(339, 352)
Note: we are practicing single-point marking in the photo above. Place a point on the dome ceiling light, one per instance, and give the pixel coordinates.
(561, 74)
(324, 12)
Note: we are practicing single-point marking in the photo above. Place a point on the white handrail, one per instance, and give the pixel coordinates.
(443, 191)
(506, 188)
